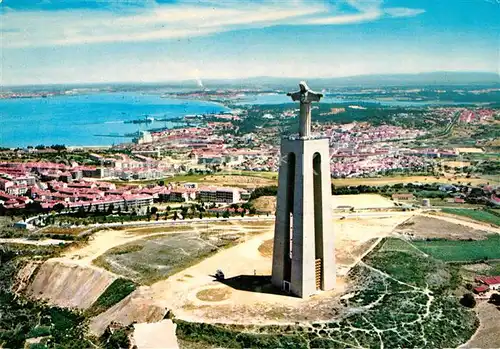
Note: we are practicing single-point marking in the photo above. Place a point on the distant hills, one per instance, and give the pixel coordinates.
(434, 79)
(382, 80)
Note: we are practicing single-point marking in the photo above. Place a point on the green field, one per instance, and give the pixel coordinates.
(477, 215)
(461, 250)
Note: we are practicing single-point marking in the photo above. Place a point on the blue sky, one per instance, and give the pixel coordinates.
(75, 41)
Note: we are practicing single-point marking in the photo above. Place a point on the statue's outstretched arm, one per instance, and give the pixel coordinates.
(295, 95)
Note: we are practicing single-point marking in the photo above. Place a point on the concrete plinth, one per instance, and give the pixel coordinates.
(303, 239)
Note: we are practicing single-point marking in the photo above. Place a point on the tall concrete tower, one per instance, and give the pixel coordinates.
(303, 255)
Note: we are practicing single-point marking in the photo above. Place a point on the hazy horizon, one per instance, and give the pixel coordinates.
(114, 41)
(385, 80)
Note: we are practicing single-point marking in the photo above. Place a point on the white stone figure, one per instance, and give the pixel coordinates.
(305, 95)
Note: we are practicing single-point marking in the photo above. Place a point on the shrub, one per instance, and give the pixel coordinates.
(468, 300)
(39, 331)
(117, 340)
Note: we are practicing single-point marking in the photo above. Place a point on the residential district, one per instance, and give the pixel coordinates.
(215, 142)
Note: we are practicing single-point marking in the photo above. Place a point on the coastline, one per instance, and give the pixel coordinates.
(75, 120)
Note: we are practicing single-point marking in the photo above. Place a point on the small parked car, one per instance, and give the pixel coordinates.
(219, 275)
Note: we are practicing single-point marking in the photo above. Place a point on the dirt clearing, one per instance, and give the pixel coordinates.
(238, 181)
(214, 294)
(361, 201)
(158, 335)
(422, 227)
(246, 295)
(265, 204)
(266, 248)
(488, 333)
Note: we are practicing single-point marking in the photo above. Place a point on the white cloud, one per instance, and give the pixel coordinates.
(183, 19)
(403, 11)
(346, 19)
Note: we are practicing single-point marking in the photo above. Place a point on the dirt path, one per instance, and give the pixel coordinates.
(106, 239)
(103, 241)
(44, 242)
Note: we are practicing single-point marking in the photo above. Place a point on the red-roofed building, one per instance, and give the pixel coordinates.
(178, 194)
(481, 289)
(5, 183)
(495, 200)
(493, 282)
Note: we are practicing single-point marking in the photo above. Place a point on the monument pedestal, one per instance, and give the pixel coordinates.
(303, 255)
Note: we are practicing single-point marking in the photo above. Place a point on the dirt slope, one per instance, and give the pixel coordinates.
(69, 285)
(24, 276)
(159, 335)
(137, 307)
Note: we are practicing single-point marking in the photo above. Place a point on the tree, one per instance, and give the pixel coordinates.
(58, 207)
(175, 216)
(58, 147)
(226, 214)
(154, 210)
(184, 211)
(110, 208)
(201, 215)
(217, 215)
(243, 213)
(246, 206)
(468, 300)
(168, 208)
(117, 340)
(34, 207)
(495, 299)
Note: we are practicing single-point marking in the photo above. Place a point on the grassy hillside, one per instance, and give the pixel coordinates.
(461, 250)
(478, 215)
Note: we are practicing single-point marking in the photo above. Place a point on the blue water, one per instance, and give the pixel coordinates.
(283, 98)
(80, 119)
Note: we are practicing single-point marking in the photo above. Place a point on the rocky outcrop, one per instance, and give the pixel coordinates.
(24, 276)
